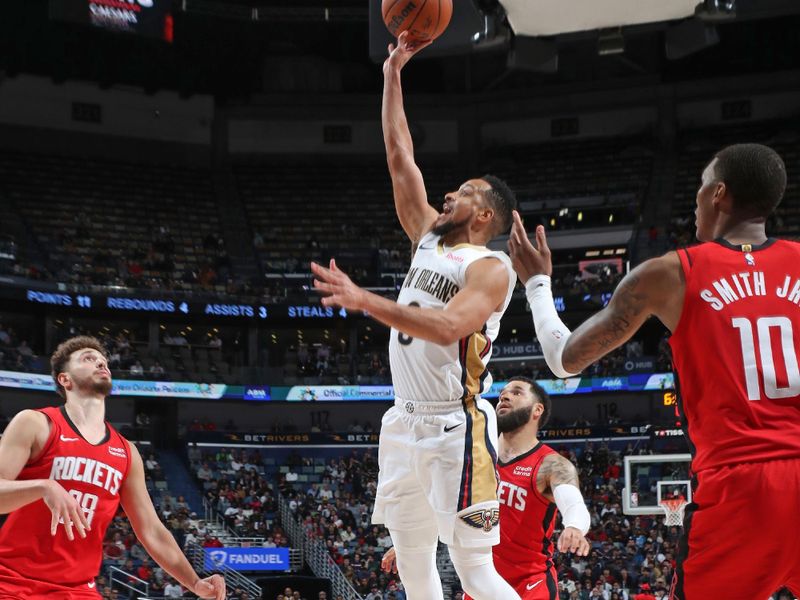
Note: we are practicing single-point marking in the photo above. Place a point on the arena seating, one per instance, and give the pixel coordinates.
(332, 491)
(306, 210)
(696, 149)
(121, 223)
(597, 177)
(122, 550)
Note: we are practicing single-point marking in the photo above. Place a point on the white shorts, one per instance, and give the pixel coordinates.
(438, 467)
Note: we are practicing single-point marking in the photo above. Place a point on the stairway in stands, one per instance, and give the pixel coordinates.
(236, 230)
(181, 482)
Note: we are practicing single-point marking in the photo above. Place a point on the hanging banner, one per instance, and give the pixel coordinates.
(151, 18)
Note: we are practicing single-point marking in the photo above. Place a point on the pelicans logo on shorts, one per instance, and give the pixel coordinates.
(484, 519)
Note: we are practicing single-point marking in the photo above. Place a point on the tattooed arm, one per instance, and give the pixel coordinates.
(555, 470)
(557, 480)
(655, 287)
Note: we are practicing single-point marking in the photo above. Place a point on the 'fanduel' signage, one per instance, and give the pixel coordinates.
(248, 559)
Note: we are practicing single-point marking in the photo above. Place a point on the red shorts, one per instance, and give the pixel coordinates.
(543, 586)
(740, 539)
(14, 586)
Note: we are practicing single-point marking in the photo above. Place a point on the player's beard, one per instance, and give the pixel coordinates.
(514, 419)
(95, 387)
(448, 226)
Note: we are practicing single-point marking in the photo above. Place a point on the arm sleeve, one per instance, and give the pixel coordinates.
(572, 507)
(550, 329)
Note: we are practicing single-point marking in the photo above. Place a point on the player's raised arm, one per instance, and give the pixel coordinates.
(157, 539)
(410, 198)
(466, 313)
(558, 481)
(655, 287)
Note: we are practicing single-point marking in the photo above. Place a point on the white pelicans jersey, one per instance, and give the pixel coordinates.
(423, 371)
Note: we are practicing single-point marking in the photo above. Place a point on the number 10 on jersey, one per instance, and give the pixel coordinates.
(764, 349)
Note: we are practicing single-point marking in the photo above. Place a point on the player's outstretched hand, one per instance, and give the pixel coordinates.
(389, 561)
(65, 510)
(527, 260)
(338, 288)
(406, 48)
(211, 587)
(572, 540)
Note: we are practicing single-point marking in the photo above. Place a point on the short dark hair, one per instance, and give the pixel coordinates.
(541, 396)
(754, 174)
(503, 201)
(60, 357)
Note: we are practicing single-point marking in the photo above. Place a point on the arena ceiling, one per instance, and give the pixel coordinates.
(226, 47)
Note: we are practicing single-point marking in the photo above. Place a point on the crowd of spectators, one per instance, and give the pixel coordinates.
(124, 357)
(16, 353)
(323, 362)
(572, 282)
(121, 548)
(631, 555)
(337, 511)
(142, 264)
(235, 484)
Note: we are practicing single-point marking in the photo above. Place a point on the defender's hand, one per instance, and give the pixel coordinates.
(389, 561)
(527, 260)
(574, 541)
(211, 587)
(65, 510)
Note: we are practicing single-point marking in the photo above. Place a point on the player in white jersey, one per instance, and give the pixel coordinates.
(437, 457)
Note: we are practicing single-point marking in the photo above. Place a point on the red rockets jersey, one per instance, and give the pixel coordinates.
(94, 476)
(735, 352)
(526, 519)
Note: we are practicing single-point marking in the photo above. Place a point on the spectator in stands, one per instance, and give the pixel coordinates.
(114, 358)
(210, 541)
(173, 589)
(145, 570)
(156, 370)
(137, 370)
(374, 594)
(114, 550)
(204, 473)
(151, 464)
(644, 593)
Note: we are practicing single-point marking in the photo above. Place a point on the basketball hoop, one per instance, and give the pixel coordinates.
(673, 511)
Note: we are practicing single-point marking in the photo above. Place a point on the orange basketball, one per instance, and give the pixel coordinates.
(423, 19)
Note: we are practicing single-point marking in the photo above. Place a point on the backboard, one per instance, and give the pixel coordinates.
(652, 478)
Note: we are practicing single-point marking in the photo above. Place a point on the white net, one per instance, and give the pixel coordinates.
(673, 512)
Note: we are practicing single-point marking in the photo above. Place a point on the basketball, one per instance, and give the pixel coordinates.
(423, 19)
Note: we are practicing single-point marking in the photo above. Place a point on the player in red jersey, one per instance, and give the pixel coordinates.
(731, 304)
(534, 481)
(63, 473)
